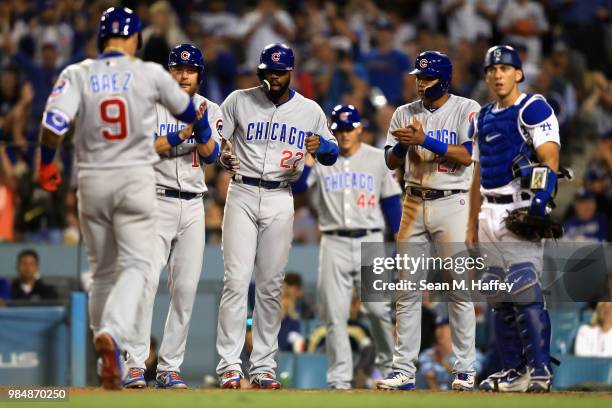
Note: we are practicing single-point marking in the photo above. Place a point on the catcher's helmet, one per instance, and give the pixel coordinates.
(345, 117)
(278, 57)
(118, 22)
(438, 65)
(503, 54)
(187, 54)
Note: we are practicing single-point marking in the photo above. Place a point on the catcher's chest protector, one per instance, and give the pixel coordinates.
(500, 141)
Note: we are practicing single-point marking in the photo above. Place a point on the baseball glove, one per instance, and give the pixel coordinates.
(532, 227)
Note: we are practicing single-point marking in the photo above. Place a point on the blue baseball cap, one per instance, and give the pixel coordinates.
(345, 117)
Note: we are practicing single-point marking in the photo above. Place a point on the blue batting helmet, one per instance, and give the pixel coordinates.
(187, 54)
(503, 54)
(437, 65)
(278, 57)
(118, 22)
(345, 117)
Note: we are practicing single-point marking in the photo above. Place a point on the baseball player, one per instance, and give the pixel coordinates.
(180, 186)
(429, 138)
(352, 196)
(268, 129)
(510, 135)
(111, 102)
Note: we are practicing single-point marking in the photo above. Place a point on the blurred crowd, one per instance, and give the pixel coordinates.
(348, 51)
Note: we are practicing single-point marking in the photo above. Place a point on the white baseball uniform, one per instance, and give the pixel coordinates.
(438, 220)
(180, 234)
(348, 197)
(112, 100)
(491, 225)
(269, 141)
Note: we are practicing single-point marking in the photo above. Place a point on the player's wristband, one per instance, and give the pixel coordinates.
(435, 146)
(47, 154)
(174, 139)
(399, 151)
(213, 156)
(203, 136)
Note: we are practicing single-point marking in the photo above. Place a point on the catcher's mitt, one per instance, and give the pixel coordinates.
(532, 227)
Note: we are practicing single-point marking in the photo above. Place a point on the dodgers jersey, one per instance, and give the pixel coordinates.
(112, 100)
(269, 140)
(541, 127)
(180, 168)
(449, 123)
(348, 193)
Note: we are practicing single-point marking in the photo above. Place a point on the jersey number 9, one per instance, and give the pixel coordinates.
(113, 112)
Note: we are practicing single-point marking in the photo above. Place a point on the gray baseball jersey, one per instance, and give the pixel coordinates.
(112, 101)
(180, 233)
(441, 220)
(186, 173)
(348, 196)
(348, 192)
(450, 124)
(269, 140)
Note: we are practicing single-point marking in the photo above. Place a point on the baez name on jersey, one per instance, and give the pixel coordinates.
(348, 180)
(111, 82)
(278, 131)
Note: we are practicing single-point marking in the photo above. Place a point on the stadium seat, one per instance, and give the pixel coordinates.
(565, 323)
(310, 371)
(582, 372)
(286, 368)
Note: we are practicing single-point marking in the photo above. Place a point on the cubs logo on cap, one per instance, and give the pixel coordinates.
(276, 56)
(423, 63)
(343, 116)
(185, 55)
(115, 27)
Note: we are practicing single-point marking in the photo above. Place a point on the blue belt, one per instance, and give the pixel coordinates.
(355, 233)
(251, 181)
(183, 195)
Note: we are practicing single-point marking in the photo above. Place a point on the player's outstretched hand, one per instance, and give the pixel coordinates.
(312, 142)
(410, 135)
(227, 159)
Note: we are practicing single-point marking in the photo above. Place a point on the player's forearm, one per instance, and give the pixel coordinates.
(475, 198)
(548, 154)
(208, 151)
(458, 154)
(392, 159)
(49, 139)
(167, 142)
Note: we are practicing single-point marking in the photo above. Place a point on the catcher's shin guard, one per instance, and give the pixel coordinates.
(534, 327)
(507, 340)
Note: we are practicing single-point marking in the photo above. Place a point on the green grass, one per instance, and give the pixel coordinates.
(320, 399)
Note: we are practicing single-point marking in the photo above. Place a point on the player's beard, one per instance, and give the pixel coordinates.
(276, 94)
